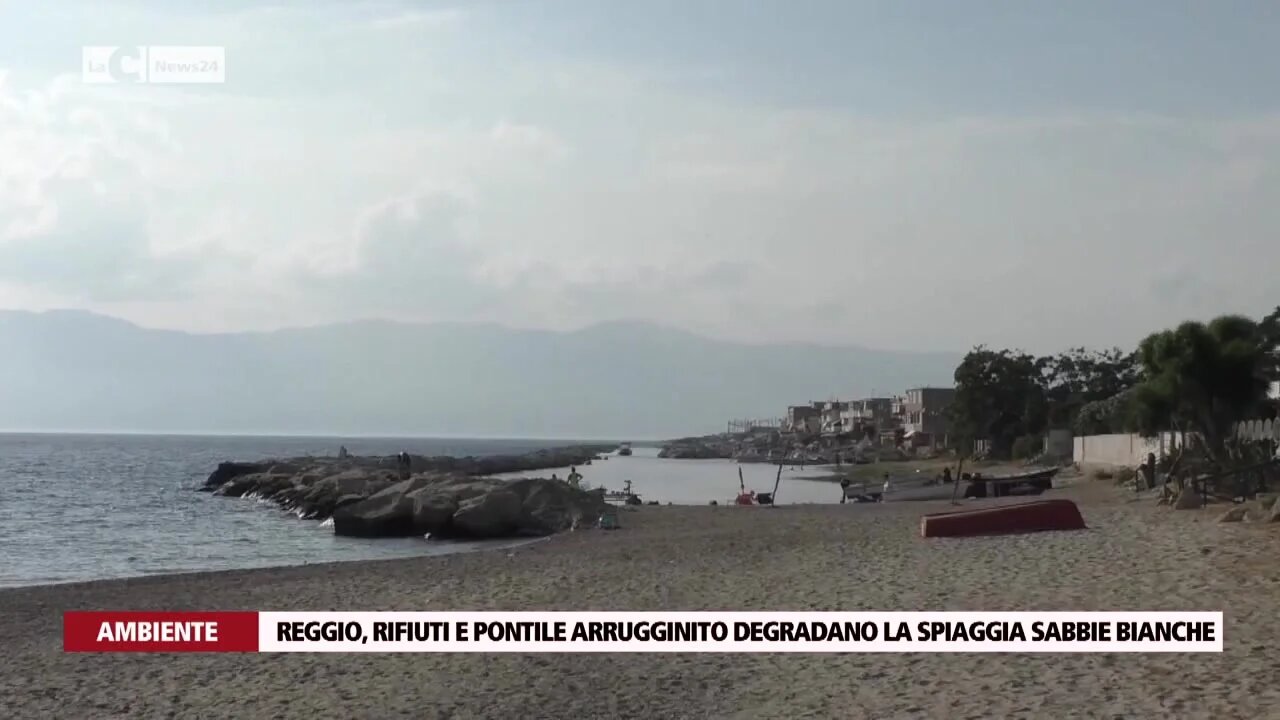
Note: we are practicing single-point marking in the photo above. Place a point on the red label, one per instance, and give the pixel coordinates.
(136, 631)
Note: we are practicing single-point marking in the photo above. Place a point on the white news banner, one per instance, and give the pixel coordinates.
(740, 632)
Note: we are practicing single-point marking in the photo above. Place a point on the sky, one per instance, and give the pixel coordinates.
(902, 175)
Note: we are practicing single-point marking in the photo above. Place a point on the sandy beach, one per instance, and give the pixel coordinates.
(1134, 557)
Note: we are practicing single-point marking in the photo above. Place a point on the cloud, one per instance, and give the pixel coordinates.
(418, 19)
(367, 160)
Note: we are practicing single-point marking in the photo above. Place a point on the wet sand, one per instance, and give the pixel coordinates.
(1134, 557)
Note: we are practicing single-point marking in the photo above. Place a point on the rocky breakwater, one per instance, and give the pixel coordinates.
(700, 448)
(445, 497)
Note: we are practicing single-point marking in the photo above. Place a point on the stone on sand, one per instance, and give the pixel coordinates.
(1188, 499)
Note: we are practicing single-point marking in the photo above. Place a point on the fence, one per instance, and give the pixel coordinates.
(1258, 430)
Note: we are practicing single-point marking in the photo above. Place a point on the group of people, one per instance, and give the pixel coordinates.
(845, 483)
(863, 496)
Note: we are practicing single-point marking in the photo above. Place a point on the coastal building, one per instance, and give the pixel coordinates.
(803, 419)
(748, 425)
(867, 414)
(925, 417)
(871, 410)
(831, 418)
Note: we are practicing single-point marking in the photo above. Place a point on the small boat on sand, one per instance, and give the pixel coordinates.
(624, 449)
(1032, 482)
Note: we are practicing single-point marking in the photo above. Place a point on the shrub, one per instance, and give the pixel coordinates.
(1125, 475)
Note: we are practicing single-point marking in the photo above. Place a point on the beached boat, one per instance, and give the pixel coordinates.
(1032, 482)
(1037, 516)
(620, 494)
(624, 449)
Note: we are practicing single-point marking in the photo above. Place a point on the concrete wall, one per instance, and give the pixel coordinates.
(1132, 449)
(1126, 450)
(1059, 443)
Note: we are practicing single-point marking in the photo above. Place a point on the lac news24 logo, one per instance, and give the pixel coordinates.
(153, 64)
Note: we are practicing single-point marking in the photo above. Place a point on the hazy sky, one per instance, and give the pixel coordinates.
(916, 175)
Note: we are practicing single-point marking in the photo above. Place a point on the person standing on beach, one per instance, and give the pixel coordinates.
(405, 464)
(575, 477)
(844, 488)
(1147, 471)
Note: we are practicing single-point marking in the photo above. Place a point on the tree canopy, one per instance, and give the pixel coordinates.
(1202, 377)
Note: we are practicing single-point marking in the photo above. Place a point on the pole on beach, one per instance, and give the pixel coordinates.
(741, 484)
(776, 482)
(956, 489)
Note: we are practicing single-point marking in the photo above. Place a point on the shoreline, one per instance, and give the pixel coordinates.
(794, 557)
(88, 585)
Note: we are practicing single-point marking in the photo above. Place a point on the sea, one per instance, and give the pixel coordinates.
(91, 507)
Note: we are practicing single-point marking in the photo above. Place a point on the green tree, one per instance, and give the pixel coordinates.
(999, 396)
(1077, 377)
(1110, 415)
(1204, 378)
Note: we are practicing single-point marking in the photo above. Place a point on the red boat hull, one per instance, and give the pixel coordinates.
(1004, 519)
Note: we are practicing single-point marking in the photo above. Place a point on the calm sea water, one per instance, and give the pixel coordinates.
(87, 507)
(698, 482)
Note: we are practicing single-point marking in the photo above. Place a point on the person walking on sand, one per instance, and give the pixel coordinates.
(844, 488)
(1147, 471)
(575, 477)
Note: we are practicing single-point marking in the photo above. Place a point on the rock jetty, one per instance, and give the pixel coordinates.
(445, 497)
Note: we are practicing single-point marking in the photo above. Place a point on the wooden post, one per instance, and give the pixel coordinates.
(776, 482)
(956, 489)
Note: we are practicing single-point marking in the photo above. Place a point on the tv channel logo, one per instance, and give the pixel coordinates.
(153, 64)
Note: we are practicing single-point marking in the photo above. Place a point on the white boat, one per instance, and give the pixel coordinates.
(624, 449)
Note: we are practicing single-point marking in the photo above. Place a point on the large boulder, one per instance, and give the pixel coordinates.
(228, 471)
(1188, 499)
(551, 507)
(433, 512)
(493, 514)
(319, 498)
(388, 513)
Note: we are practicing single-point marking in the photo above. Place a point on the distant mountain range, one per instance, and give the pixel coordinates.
(74, 370)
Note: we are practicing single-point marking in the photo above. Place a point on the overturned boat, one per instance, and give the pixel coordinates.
(1035, 516)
